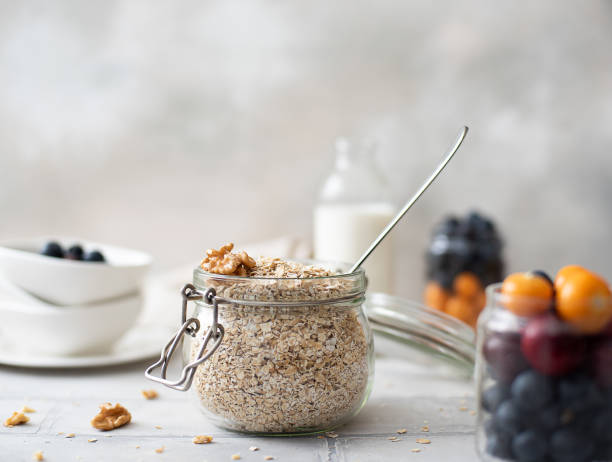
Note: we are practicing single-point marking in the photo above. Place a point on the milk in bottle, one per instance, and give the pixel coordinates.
(354, 207)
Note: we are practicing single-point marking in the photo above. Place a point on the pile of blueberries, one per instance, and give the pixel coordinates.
(551, 399)
(75, 252)
(458, 245)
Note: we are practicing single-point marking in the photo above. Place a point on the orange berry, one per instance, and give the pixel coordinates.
(584, 300)
(564, 273)
(480, 300)
(462, 309)
(526, 294)
(435, 296)
(467, 285)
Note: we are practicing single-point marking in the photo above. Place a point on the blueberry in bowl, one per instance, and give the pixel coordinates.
(75, 252)
(86, 272)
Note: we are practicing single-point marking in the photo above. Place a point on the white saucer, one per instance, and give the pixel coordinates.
(139, 343)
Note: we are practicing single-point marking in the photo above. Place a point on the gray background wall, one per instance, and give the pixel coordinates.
(175, 126)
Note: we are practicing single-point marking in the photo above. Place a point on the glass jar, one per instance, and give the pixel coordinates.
(464, 256)
(544, 390)
(276, 355)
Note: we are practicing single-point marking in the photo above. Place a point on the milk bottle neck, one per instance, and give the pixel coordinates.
(357, 176)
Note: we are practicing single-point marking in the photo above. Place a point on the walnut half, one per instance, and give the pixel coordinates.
(111, 417)
(223, 261)
(17, 418)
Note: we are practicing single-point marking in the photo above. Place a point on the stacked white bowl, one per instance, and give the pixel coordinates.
(60, 307)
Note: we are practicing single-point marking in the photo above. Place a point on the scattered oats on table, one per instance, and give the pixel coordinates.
(463, 408)
(415, 450)
(28, 409)
(268, 458)
(159, 427)
(236, 457)
(160, 450)
(423, 441)
(425, 428)
(92, 440)
(279, 369)
(401, 431)
(202, 439)
(38, 455)
(253, 448)
(70, 435)
(149, 394)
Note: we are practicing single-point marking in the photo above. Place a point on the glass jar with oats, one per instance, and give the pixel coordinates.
(274, 346)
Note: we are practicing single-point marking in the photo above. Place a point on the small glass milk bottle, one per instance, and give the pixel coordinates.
(353, 208)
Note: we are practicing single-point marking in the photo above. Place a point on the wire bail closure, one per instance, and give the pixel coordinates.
(190, 327)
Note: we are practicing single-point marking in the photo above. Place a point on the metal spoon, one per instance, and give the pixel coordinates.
(414, 198)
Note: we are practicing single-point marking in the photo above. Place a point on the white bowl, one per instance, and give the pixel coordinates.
(68, 282)
(63, 331)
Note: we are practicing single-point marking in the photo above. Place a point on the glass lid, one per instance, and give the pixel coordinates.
(427, 330)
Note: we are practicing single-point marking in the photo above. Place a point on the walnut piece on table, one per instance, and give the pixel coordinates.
(17, 418)
(111, 417)
(223, 261)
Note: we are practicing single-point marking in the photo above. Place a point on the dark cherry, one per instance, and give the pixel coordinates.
(550, 347)
(601, 362)
(502, 350)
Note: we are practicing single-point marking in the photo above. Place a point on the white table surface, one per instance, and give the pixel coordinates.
(406, 395)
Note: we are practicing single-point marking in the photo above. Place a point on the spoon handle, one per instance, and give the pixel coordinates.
(414, 198)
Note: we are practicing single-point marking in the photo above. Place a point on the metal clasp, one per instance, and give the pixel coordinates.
(190, 327)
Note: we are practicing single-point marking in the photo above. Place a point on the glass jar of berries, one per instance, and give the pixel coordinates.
(464, 256)
(544, 368)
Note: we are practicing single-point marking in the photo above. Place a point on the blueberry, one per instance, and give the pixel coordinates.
(603, 451)
(601, 425)
(530, 446)
(493, 396)
(448, 227)
(543, 275)
(551, 418)
(499, 445)
(445, 279)
(489, 426)
(75, 252)
(532, 391)
(94, 256)
(579, 393)
(52, 249)
(570, 445)
(508, 418)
